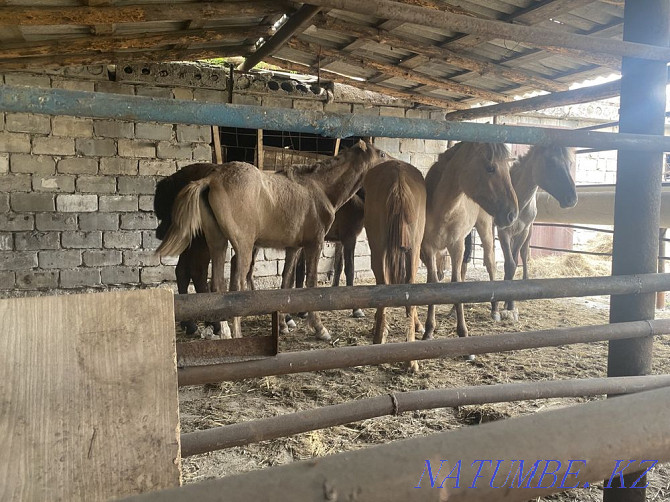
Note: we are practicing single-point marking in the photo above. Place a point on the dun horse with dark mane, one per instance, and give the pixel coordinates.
(249, 207)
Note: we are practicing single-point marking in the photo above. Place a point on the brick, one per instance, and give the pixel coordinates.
(417, 114)
(53, 145)
(6, 241)
(55, 221)
(423, 160)
(79, 278)
(37, 279)
(273, 254)
(202, 153)
(74, 85)
(246, 99)
(82, 240)
(181, 93)
(411, 145)
(95, 147)
(157, 167)
(102, 258)
(18, 260)
(53, 183)
(337, 107)
(149, 240)
(96, 184)
(390, 145)
(72, 126)
(98, 221)
(36, 164)
(35, 241)
(308, 104)
(210, 96)
(173, 260)
(165, 150)
(151, 130)
(194, 133)
(28, 79)
(265, 268)
(146, 202)
(122, 240)
(4, 202)
(276, 102)
(136, 148)
(439, 115)
(14, 142)
(118, 203)
(114, 88)
(114, 165)
(154, 275)
(7, 280)
(77, 165)
(60, 259)
(391, 111)
(129, 185)
(24, 202)
(362, 263)
(138, 221)
(365, 110)
(28, 122)
(120, 275)
(141, 258)
(435, 146)
(76, 203)
(12, 222)
(113, 129)
(4, 163)
(154, 92)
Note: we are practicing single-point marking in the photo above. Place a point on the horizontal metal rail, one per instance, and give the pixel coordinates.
(243, 433)
(172, 111)
(346, 357)
(393, 471)
(217, 306)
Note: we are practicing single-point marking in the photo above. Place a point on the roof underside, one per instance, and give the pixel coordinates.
(426, 65)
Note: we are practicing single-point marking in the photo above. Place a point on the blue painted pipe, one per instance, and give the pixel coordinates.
(148, 109)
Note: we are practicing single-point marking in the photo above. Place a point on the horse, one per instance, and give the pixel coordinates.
(395, 217)
(546, 167)
(465, 178)
(249, 207)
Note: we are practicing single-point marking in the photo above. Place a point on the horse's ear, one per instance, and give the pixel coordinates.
(362, 145)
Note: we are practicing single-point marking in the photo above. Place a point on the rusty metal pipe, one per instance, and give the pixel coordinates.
(217, 306)
(243, 433)
(393, 471)
(344, 357)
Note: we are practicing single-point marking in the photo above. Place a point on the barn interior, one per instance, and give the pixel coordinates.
(277, 83)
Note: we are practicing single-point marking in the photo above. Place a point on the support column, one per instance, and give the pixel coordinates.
(637, 200)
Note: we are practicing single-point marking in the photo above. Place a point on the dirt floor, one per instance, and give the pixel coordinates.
(231, 402)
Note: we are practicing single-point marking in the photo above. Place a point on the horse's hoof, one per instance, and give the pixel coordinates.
(495, 316)
(427, 336)
(291, 324)
(469, 358)
(284, 331)
(225, 331)
(323, 335)
(302, 315)
(419, 329)
(358, 314)
(452, 313)
(412, 367)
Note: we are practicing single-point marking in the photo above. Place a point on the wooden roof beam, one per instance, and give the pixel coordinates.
(542, 37)
(45, 16)
(444, 104)
(295, 24)
(439, 54)
(399, 72)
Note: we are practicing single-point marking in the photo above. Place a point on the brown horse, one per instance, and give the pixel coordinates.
(249, 207)
(464, 178)
(547, 167)
(395, 217)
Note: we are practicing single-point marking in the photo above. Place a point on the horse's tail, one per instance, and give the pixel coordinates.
(186, 219)
(401, 212)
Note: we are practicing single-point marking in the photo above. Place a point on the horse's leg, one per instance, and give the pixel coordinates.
(287, 278)
(456, 252)
(312, 254)
(519, 242)
(338, 261)
(488, 242)
(250, 274)
(506, 243)
(243, 253)
(218, 253)
(525, 252)
(429, 261)
(380, 330)
(440, 264)
(413, 317)
(348, 252)
(298, 277)
(183, 280)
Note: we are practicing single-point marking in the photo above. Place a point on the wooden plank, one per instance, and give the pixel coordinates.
(88, 393)
(259, 150)
(218, 154)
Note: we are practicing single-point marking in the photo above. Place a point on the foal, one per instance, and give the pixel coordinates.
(465, 177)
(395, 216)
(249, 207)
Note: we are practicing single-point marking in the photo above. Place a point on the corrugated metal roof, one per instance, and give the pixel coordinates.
(386, 53)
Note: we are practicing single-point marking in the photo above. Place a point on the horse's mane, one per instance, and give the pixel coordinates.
(297, 170)
(563, 153)
(491, 151)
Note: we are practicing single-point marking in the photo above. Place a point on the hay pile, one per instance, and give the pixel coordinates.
(569, 265)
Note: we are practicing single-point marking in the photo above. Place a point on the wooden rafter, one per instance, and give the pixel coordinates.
(439, 54)
(95, 44)
(399, 72)
(43, 16)
(410, 96)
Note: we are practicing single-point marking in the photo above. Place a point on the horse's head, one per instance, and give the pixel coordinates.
(551, 172)
(368, 155)
(485, 179)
